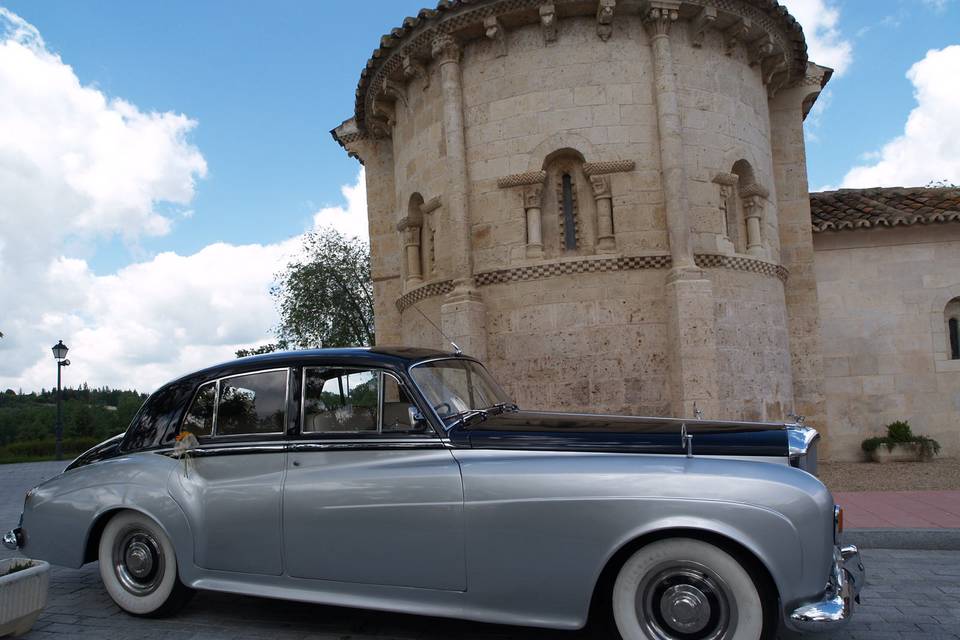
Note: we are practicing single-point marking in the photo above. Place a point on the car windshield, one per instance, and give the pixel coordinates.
(455, 386)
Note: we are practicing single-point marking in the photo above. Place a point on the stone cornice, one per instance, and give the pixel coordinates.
(406, 47)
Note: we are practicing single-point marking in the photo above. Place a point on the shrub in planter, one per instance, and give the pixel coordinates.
(23, 594)
(900, 444)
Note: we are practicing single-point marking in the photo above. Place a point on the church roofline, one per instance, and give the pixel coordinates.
(851, 209)
(464, 18)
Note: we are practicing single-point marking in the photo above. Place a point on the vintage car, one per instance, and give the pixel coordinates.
(405, 480)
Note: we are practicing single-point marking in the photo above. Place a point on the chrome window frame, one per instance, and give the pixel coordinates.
(193, 399)
(376, 433)
(214, 435)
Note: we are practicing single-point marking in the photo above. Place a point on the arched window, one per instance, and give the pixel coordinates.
(568, 216)
(428, 252)
(951, 316)
(736, 221)
(954, 339)
(569, 219)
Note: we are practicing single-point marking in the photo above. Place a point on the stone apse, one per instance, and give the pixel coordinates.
(605, 201)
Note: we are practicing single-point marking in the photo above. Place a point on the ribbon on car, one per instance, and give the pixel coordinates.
(186, 442)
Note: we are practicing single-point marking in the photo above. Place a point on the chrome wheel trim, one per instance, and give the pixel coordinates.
(683, 600)
(138, 561)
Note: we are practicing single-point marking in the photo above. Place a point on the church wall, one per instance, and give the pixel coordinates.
(753, 356)
(882, 296)
(580, 93)
(597, 343)
(726, 118)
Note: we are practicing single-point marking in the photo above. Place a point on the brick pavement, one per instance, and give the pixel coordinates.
(900, 509)
(912, 595)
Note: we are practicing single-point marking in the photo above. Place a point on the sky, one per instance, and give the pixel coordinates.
(159, 161)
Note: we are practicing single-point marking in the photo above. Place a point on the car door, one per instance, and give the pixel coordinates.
(370, 498)
(231, 482)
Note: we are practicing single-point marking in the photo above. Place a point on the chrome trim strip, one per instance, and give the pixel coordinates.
(209, 450)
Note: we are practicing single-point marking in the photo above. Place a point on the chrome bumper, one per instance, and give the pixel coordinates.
(847, 577)
(12, 539)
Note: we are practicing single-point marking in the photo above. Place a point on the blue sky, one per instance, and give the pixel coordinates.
(175, 151)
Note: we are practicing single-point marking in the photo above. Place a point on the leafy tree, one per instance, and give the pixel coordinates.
(325, 296)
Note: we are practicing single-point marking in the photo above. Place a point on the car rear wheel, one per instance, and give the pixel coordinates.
(139, 567)
(685, 589)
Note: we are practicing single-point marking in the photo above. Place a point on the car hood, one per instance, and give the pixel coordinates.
(587, 432)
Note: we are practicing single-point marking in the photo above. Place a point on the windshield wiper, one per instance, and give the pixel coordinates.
(470, 416)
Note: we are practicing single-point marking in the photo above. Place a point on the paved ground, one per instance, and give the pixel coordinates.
(901, 509)
(911, 595)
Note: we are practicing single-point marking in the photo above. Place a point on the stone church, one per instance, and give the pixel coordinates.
(607, 202)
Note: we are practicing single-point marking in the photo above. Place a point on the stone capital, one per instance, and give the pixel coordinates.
(735, 34)
(533, 196)
(445, 49)
(601, 186)
(411, 236)
(660, 17)
(754, 191)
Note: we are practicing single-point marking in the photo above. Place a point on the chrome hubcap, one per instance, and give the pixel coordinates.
(138, 561)
(685, 608)
(685, 601)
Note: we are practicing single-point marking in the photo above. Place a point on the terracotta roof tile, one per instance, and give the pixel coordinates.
(883, 207)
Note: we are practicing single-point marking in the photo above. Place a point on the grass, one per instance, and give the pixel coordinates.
(18, 566)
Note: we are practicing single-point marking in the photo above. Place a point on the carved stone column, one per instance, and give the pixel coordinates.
(658, 21)
(753, 197)
(691, 322)
(411, 248)
(463, 316)
(532, 199)
(606, 241)
(727, 183)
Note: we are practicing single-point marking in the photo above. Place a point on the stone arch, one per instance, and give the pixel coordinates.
(559, 141)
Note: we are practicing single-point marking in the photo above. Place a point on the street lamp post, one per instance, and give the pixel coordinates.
(60, 353)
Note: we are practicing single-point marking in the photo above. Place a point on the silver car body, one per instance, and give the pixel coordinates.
(428, 525)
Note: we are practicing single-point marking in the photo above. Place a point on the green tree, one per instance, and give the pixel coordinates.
(324, 296)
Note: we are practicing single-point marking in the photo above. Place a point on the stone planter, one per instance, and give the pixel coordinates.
(23, 595)
(905, 452)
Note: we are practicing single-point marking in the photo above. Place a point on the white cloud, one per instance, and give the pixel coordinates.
(826, 44)
(76, 166)
(927, 149)
(351, 220)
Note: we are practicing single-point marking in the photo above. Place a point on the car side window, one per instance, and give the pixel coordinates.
(340, 400)
(370, 402)
(251, 404)
(199, 418)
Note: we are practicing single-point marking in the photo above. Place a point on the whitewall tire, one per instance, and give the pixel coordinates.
(138, 566)
(684, 589)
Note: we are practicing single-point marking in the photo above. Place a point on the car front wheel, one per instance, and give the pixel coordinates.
(685, 589)
(139, 568)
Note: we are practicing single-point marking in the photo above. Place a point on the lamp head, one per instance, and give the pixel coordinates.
(60, 350)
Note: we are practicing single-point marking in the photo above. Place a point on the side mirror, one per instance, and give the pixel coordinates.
(414, 416)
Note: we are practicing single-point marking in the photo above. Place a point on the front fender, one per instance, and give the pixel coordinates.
(62, 514)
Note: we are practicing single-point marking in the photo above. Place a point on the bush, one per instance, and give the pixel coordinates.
(899, 432)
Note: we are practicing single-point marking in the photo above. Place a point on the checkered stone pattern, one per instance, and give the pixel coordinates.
(739, 263)
(424, 292)
(554, 269)
(610, 166)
